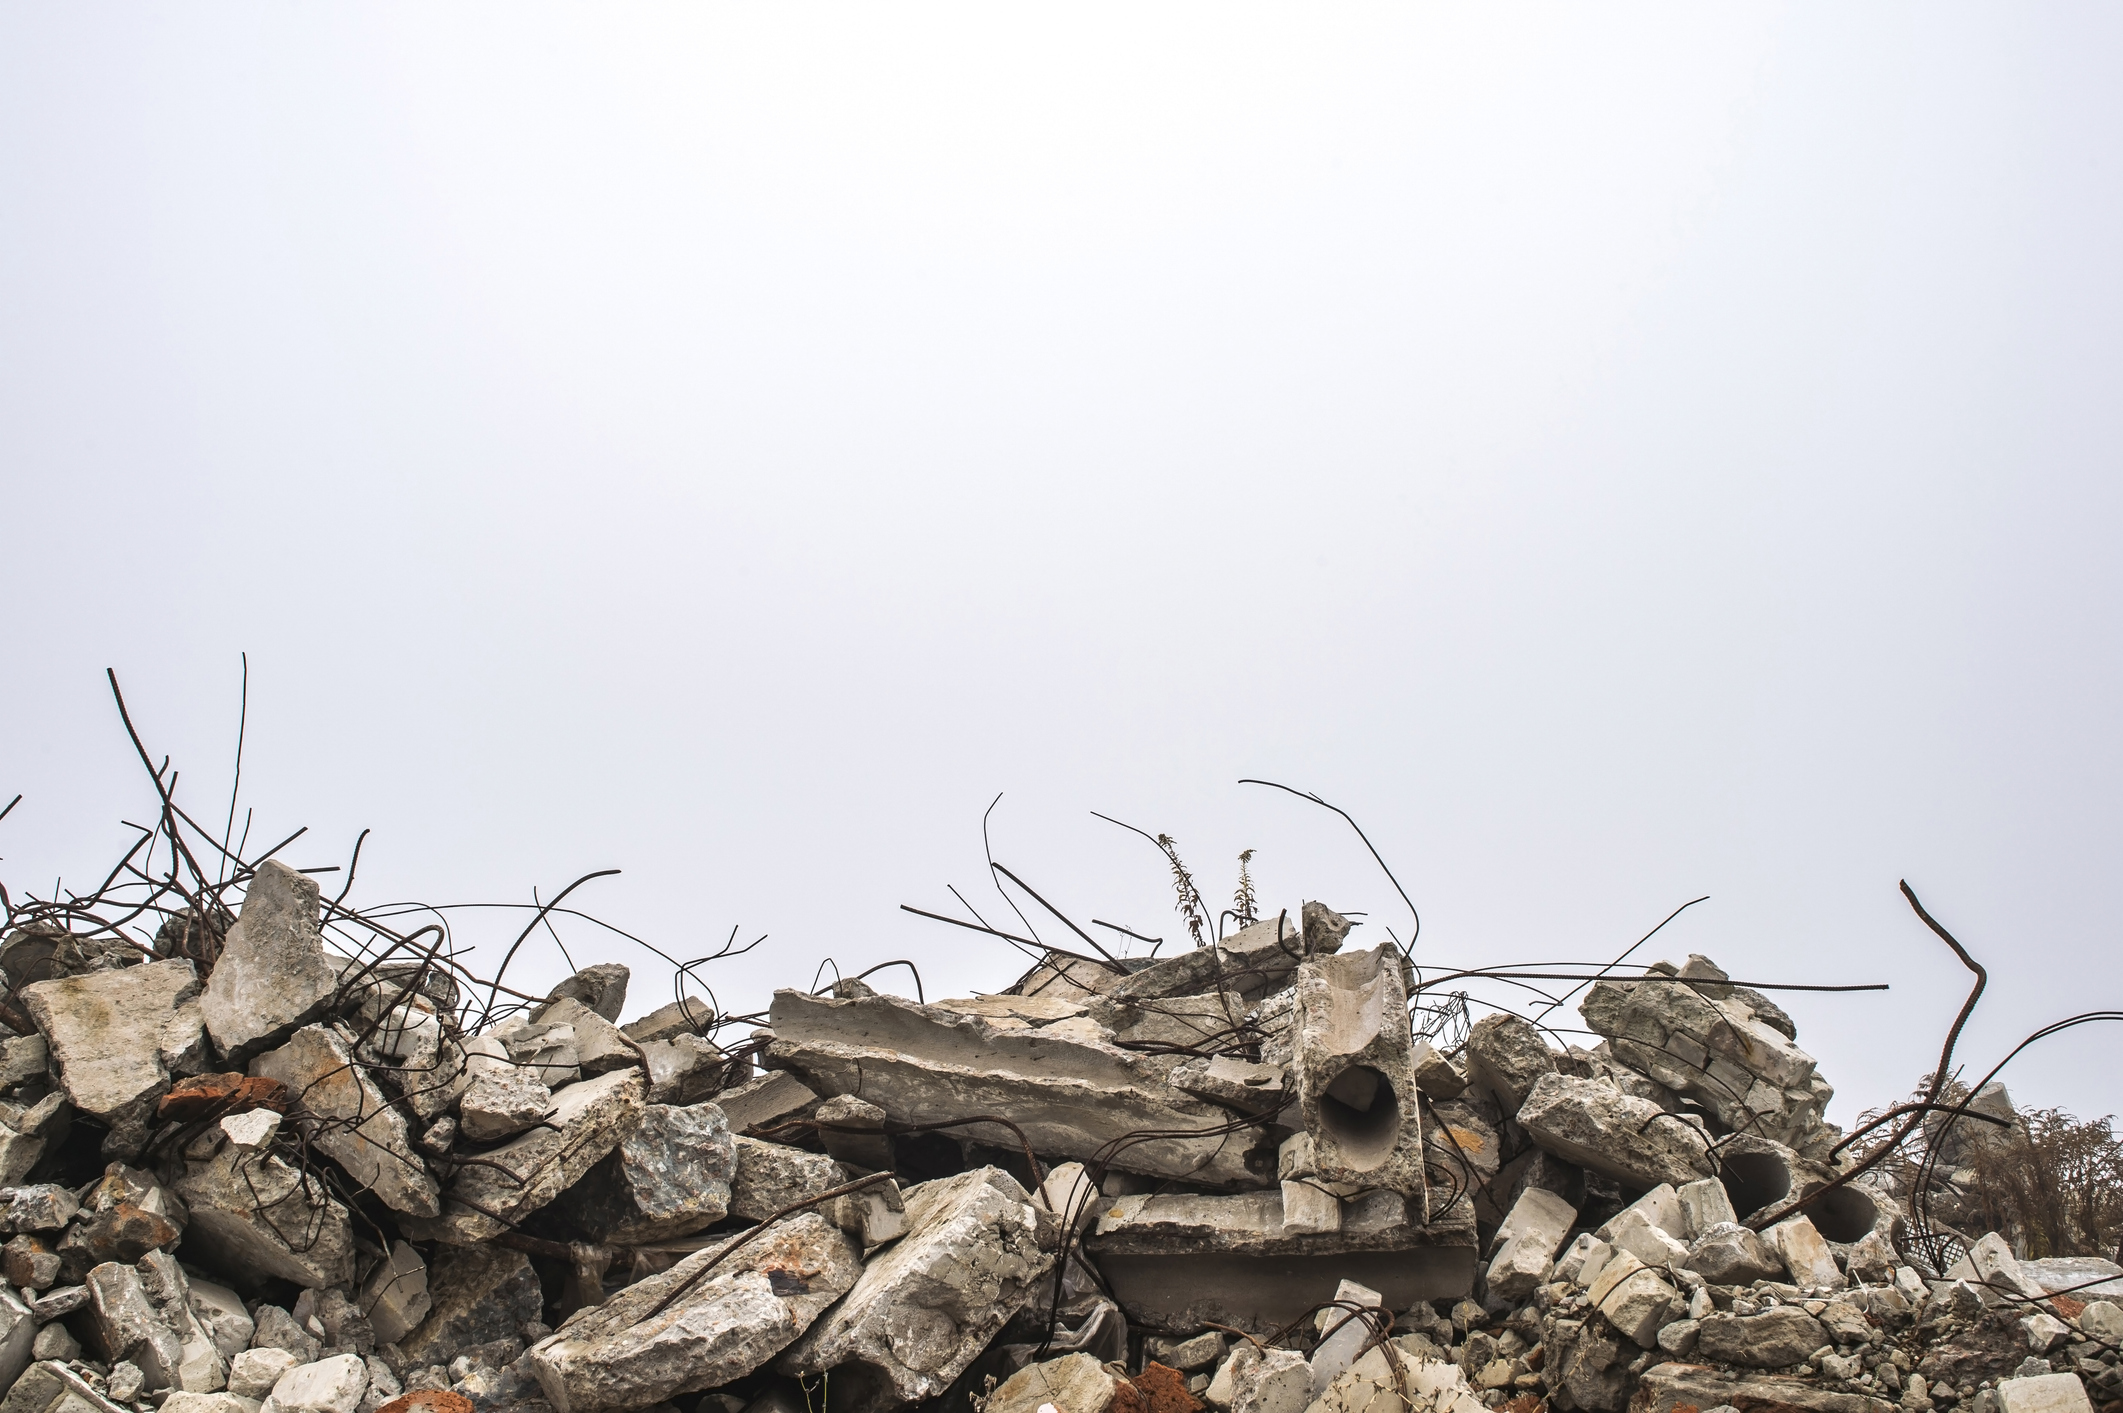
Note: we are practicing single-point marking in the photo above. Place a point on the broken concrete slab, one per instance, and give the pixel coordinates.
(768, 1099)
(1434, 1074)
(348, 1119)
(1352, 1074)
(770, 1176)
(1613, 1133)
(715, 1316)
(477, 1295)
(1704, 1204)
(1237, 1084)
(201, 1366)
(1805, 1255)
(502, 1098)
(669, 1177)
(1730, 1254)
(589, 1119)
(853, 1132)
(1180, 1261)
(109, 1033)
(127, 1326)
(257, 1217)
(1076, 1382)
(1527, 1243)
(924, 1309)
(272, 977)
(1070, 1098)
(601, 988)
(51, 1387)
(332, 1385)
(1667, 1387)
(690, 1016)
(684, 1069)
(1505, 1057)
(1775, 1338)
(600, 1046)
(221, 1313)
(395, 1294)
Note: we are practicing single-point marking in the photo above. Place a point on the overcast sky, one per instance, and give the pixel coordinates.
(1618, 453)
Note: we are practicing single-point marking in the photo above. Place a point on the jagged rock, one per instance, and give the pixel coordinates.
(1991, 1268)
(1371, 1386)
(1805, 1255)
(601, 988)
(713, 1317)
(1076, 1382)
(42, 1207)
(256, 1216)
(1730, 1254)
(1269, 1380)
(1608, 1131)
(113, 1034)
(128, 1215)
(1505, 1056)
(685, 1069)
(18, 1337)
(183, 1402)
(1527, 1243)
(853, 1132)
(589, 1119)
(600, 1046)
(928, 1305)
(277, 1329)
(669, 1177)
(200, 1368)
(128, 1327)
(1704, 1204)
(1435, 1075)
(774, 1097)
(395, 1294)
(687, 1017)
(221, 1313)
(547, 1049)
(1724, 1053)
(333, 1385)
(348, 1119)
(55, 1341)
(57, 1304)
(272, 977)
(54, 1388)
(1778, 1336)
(1585, 1359)
(502, 1099)
(30, 1262)
(477, 1294)
(920, 1065)
(23, 1058)
(2044, 1393)
(771, 1176)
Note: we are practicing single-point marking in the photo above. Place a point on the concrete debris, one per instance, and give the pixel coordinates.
(714, 1317)
(271, 977)
(247, 1175)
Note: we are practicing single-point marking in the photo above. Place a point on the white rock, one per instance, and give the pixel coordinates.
(1634, 1233)
(2043, 1393)
(333, 1385)
(2044, 1332)
(1279, 1381)
(1704, 1203)
(1527, 1242)
(253, 1128)
(253, 1372)
(2103, 1319)
(1805, 1254)
(1337, 1351)
(1639, 1305)
(182, 1402)
(1307, 1208)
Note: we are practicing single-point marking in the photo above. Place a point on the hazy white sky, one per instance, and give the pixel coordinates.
(1619, 453)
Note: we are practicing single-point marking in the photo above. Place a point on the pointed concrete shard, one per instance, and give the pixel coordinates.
(714, 1317)
(668, 1178)
(347, 1118)
(588, 1121)
(109, 1032)
(929, 1305)
(272, 977)
(256, 1217)
(1601, 1128)
(921, 1064)
(1352, 1067)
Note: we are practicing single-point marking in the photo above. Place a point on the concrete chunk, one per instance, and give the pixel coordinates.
(107, 1032)
(1704, 1204)
(774, 1097)
(256, 1216)
(588, 1121)
(601, 989)
(1078, 1383)
(348, 1119)
(2044, 1393)
(395, 1295)
(272, 977)
(770, 1176)
(669, 1177)
(1352, 1074)
(1730, 1254)
(701, 1324)
(1505, 1057)
(127, 1325)
(1434, 1074)
(924, 1309)
(48, 1387)
(1779, 1336)
(920, 1065)
(1610, 1132)
(600, 1046)
(333, 1385)
(477, 1295)
(1805, 1255)
(1527, 1242)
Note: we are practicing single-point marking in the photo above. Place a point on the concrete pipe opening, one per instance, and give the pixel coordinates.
(1362, 1114)
(1754, 1180)
(1845, 1214)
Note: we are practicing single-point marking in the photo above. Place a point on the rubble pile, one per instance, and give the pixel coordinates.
(248, 1175)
